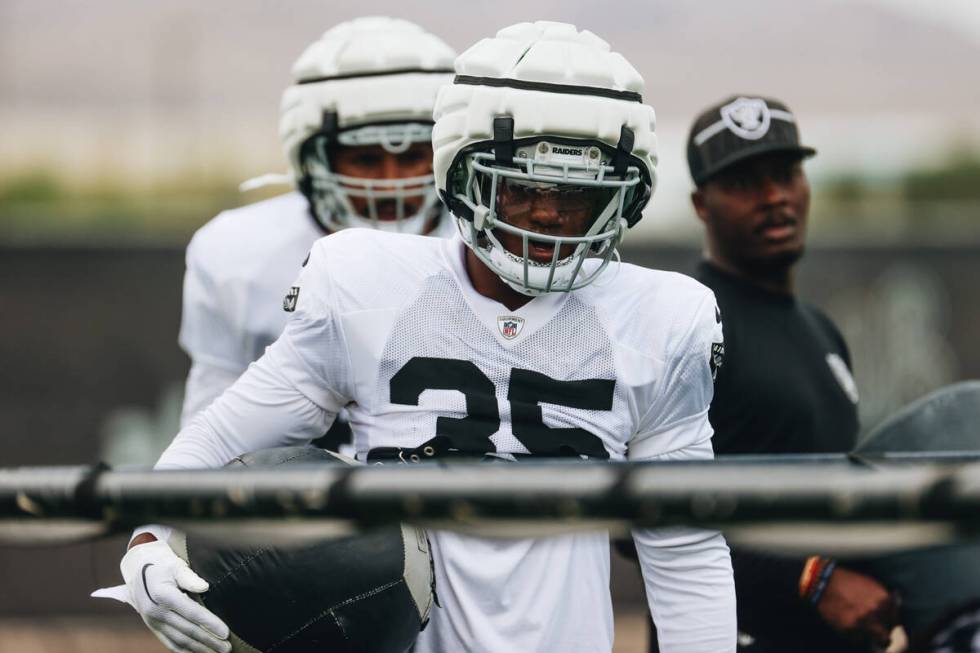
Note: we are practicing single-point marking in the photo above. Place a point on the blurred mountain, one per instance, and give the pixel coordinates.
(140, 90)
(829, 56)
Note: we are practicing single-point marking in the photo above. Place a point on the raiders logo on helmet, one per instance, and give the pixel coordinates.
(369, 592)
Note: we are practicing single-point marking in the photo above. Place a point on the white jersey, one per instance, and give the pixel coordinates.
(390, 327)
(239, 267)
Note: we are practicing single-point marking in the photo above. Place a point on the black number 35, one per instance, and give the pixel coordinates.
(526, 391)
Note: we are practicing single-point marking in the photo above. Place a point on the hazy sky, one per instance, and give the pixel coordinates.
(139, 90)
(962, 16)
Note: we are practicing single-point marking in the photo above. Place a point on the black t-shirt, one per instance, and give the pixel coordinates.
(778, 391)
(785, 384)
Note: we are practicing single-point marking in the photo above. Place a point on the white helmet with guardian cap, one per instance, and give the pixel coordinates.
(544, 107)
(369, 81)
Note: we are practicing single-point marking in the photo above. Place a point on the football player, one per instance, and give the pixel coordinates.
(355, 126)
(522, 337)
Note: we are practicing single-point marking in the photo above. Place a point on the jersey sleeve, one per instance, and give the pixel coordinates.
(289, 396)
(205, 383)
(207, 333)
(687, 571)
(690, 589)
(677, 417)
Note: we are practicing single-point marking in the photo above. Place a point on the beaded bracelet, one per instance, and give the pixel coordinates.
(815, 577)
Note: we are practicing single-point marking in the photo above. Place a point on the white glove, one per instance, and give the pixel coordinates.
(156, 579)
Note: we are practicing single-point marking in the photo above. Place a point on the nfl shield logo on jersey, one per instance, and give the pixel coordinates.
(289, 301)
(510, 326)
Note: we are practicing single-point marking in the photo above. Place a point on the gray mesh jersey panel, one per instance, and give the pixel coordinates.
(572, 346)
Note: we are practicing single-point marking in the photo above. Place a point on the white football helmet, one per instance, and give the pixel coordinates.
(369, 81)
(543, 107)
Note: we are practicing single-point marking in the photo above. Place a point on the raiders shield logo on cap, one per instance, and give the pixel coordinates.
(747, 117)
(510, 326)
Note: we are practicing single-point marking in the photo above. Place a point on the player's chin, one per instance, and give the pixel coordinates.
(780, 255)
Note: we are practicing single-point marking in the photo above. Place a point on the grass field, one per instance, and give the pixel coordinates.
(125, 634)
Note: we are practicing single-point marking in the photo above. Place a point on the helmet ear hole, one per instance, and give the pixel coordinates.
(317, 149)
(634, 208)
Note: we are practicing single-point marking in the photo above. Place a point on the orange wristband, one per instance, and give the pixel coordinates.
(811, 571)
(815, 577)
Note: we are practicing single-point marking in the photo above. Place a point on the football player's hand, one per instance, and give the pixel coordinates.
(859, 607)
(157, 579)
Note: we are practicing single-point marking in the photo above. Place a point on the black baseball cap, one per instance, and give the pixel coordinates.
(738, 128)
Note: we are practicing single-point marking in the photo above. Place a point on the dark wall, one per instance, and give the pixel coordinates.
(83, 330)
(87, 330)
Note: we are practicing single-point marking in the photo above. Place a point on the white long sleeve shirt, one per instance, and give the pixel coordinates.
(239, 267)
(390, 327)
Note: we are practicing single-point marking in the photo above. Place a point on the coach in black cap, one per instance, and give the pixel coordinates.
(784, 384)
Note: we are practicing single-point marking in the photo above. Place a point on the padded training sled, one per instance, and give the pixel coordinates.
(366, 593)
